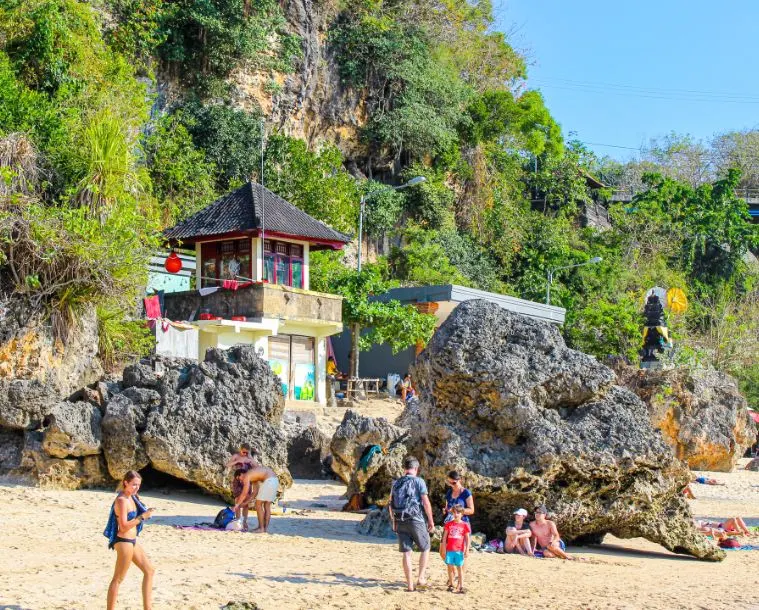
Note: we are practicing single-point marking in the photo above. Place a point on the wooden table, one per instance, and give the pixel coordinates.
(358, 385)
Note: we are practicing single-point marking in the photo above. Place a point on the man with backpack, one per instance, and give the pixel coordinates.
(409, 504)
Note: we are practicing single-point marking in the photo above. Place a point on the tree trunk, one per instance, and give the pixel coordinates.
(355, 335)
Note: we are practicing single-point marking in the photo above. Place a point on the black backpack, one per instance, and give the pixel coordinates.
(404, 499)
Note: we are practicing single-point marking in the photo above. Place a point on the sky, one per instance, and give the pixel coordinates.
(620, 73)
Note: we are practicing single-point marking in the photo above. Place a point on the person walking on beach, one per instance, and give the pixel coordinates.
(547, 535)
(267, 493)
(454, 548)
(457, 494)
(408, 507)
(124, 525)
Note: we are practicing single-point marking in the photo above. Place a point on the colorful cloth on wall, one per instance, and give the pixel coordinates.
(152, 307)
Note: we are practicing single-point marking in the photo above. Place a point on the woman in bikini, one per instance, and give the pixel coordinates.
(124, 525)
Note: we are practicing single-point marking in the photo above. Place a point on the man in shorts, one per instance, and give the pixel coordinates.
(266, 494)
(408, 507)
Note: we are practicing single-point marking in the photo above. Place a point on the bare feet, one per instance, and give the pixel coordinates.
(259, 530)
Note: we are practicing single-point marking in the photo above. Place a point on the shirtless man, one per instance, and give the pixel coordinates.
(267, 493)
(546, 535)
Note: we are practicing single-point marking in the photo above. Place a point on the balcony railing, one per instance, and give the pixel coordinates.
(256, 302)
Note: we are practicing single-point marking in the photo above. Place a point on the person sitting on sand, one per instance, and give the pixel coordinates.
(243, 460)
(267, 493)
(518, 534)
(709, 528)
(546, 535)
(688, 492)
(706, 481)
(124, 525)
(736, 526)
(406, 388)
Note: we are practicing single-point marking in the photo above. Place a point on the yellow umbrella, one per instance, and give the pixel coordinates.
(676, 300)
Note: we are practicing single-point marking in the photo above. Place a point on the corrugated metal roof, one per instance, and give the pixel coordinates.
(251, 208)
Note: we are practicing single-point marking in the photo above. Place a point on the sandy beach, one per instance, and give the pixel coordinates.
(55, 556)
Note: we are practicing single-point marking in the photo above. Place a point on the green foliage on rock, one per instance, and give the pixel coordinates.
(314, 180)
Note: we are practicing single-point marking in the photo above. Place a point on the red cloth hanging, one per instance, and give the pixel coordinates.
(230, 284)
(152, 307)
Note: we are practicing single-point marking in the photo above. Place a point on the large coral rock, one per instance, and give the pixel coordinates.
(701, 414)
(124, 421)
(196, 415)
(355, 435)
(38, 370)
(307, 447)
(59, 473)
(72, 429)
(529, 421)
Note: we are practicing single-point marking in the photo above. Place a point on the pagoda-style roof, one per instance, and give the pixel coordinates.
(251, 210)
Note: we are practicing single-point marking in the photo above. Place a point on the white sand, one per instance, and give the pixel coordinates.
(54, 556)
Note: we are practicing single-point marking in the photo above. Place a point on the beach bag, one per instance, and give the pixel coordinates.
(405, 499)
(225, 516)
(235, 525)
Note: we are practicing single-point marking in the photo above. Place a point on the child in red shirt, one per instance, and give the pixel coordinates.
(454, 547)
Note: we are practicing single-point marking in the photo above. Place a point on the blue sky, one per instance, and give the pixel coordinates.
(621, 73)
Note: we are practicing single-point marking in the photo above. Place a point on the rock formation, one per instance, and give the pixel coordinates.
(529, 421)
(38, 369)
(701, 414)
(307, 448)
(187, 418)
(353, 438)
(46, 434)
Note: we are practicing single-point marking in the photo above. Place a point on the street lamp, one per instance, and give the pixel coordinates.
(364, 198)
(551, 272)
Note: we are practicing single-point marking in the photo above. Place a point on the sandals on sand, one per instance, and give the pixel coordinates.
(461, 591)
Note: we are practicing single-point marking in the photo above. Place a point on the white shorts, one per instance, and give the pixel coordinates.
(267, 492)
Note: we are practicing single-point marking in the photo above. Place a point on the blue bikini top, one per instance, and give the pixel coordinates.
(111, 530)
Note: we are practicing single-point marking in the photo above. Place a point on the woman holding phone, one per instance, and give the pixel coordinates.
(124, 525)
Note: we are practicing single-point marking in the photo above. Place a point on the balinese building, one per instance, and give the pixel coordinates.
(252, 286)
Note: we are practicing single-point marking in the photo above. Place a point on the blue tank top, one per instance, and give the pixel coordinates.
(450, 502)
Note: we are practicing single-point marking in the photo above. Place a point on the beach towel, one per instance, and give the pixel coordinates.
(366, 459)
(744, 547)
(112, 526)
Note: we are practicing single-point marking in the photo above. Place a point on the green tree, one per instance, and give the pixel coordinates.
(183, 181)
(315, 181)
(229, 137)
(371, 322)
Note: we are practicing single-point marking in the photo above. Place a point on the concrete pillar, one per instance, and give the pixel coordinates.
(320, 370)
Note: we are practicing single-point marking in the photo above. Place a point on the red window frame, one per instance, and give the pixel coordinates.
(280, 252)
(215, 250)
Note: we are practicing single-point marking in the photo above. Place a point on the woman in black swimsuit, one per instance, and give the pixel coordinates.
(124, 525)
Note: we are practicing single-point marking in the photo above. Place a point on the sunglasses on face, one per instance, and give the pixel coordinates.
(243, 453)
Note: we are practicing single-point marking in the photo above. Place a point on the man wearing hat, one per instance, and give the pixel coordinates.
(546, 535)
(518, 534)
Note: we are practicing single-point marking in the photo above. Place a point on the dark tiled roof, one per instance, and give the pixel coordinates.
(241, 211)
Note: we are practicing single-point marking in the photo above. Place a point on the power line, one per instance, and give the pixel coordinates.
(642, 93)
(656, 90)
